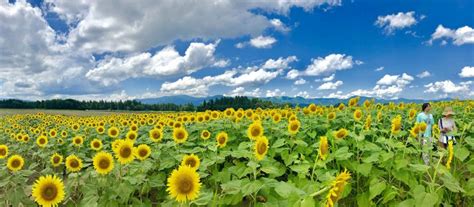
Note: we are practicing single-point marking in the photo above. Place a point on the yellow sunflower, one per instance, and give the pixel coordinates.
(255, 130)
(341, 133)
(132, 135)
(357, 115)
(191, 160)
(73, 163)
(142, 152)
(450, 154)
(15, 163)
(293, 127)
(422, 126)
(48, 190)
(396, 125)
(155, 135)
(368, 122)
(221, 139)
(323, 147)
(337, 187)
(100, 130)
(331, 116)
(53, 133)
(77, 141)
(124, 152)
(115, 144)
(180, 135)
(3, 151)
(103, 162)
(205, 134)
(113, 132)
(56, 160)
(261, 147)
(96, 144)
(184, 184)
(42, 141)
(276, 118)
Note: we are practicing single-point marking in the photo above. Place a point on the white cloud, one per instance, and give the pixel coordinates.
(392, 22)
(330, 85)
(300, 81)
(329, 78)
(424, 74)
(280, 63)
(262, 41)
(166, 62)
(274, 93)
(447, 87)
(400, 80)
(240, 91)
(467, 72)
(460, 36)
(303, 94)
(330, 64)
(379, 69)
(279, 26)
(292, 74)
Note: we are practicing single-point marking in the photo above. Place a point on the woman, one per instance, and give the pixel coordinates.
(426, 139)
(447, 127)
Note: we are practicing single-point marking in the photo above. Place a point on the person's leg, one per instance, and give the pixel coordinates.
(425, 151)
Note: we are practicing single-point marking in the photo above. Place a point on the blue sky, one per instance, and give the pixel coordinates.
(127, 49)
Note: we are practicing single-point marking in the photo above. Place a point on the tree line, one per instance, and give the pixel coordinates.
(133, 105)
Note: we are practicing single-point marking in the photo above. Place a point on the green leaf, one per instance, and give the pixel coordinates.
(231, 187)
(461, 153)
(308, 202)
(301, 169)
(343, 153)
(252, 187)
(376, 187)
(389, 194)
(278, 143)
(419, 167)
(400, 163)
(364, 168)
(372, 158)
(451, 183)
(469, 187)
(363, 200)
(284, 189)
(203, 199)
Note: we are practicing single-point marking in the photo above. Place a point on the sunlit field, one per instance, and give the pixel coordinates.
(355, 154)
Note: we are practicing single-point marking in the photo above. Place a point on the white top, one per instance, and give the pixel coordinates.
(448, 123)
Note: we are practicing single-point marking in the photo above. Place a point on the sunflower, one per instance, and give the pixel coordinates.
(341, 107)
(132, 135)
(48, 190)
(53, 133)
(142, 152)
(276, 118)
(422, 126)
(60, 141)
(77, 141)
(331, 116)
(205, 134)
(96, 144)
(191, 160)
(337, 187)
(103, 162)
(73, 163)
(353, 101)
(323, 147)
(396, 125)
(180, 135)
(411, 114)
(15, 163)
(341, 133)
(100, 129)
(124, 152)
(42, 141)
(3, 151)
(255, 130)
(368, 122)
(261, 147)
(56, 160)
(357, 115)
(155, 135)
(450, 154)
(115, 144)
(113, 132)
(184, 184)
(221, 139)
(294, 126)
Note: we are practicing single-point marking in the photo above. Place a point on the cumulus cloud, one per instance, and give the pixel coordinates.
(379, 69)
(330, 64)
(292, 74)
(303, 94)
(274, 93)
(330, 85)
(300, 81)
(400, 80)
(166, 62)
(467, 72)
(447, 87)
(393, 22)
(279, 25)
(240, 91)
(280, 63)
(460, 36)
(258, 42)
(424, 74)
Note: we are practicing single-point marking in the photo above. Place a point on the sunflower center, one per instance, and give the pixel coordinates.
(191, 162)
(16, 163)
(131, 136)
(56, 159)
(49, 192)
(180, 135)
(206, 134)
(42, 141)
(294, 127)
(113, 132)
(156, 135)
(3, 151)
(142, 152)
(74, 163)
(261, 148)
(78, 141)
(255, 131)
(221, 140)
(125, 152)
(96, 144)
(104, 163)
(185, 185)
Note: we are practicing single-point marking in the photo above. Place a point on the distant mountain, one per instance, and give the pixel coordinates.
(178, 99)
(185, 99)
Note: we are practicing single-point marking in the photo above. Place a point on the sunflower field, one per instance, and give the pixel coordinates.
(353, 154)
